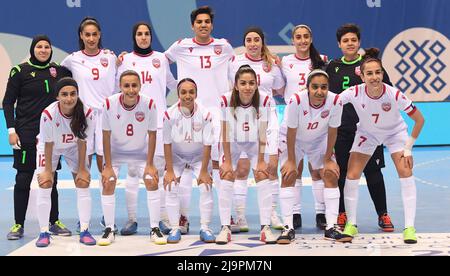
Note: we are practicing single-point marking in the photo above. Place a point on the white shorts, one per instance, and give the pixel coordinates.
(215, 148)
(133, 163)
(315, 152)
(70, 156)
(366, 143)
(237, 148)
(95, 144)
(194, 162)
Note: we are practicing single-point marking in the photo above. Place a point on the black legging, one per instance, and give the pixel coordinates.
(22, 194)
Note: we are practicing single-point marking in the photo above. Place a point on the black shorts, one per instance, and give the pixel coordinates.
(25, 158)
(342, 151)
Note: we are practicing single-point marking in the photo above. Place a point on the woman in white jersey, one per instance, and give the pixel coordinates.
(64, 128)
(270, 81)
(378, 106)
(295, 68)
(312, 117)
(188, 137)
(94, 69)
(153, 69)
(129, 137)
(245, 118)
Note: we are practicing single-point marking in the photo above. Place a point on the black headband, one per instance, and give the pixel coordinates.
(67, 81)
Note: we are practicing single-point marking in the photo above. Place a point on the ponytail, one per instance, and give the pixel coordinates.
(78, 124)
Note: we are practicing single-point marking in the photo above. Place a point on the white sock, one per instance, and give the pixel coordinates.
(298, 196)
(319, 202)
(240, 196)
(109, 209)
(409, 197)
(331, 196)
(44, 204)
(153, 204)
(163, 195)
(173, 205)
(206, 206)
(351, 193)
(216, 178)
(131, 195)
(185, 192)
(84, 203)
(275, 191)
(264, 189)
(225, 201)
(287, 199)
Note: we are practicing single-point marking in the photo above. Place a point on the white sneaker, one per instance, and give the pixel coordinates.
(267, 236)
(235, 228)
(275, 221)
(107, 238)
(157, 237)
(183, 225)
(224, 236)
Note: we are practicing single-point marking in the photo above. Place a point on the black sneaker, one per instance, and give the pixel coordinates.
(287, 236)
(297, 221)
(321, 221)
(334, 234)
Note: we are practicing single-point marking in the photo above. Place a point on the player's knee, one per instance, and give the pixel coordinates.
(242, 172)
(81, 183)
(260, 176)
(315, 175)
(151, 186)
(330, 179)
(109, 187)
(404, 172)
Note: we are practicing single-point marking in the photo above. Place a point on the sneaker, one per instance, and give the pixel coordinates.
(59, 229)
(107, 238)
(243, 225)
(321, 221)
(86, 238)
(157, 237)
(207, 236)
(43, 240)
(409, 235)
(350, 231)
(297, 220)
(341, 220)
(164, 226)
(224, 236)
(267, 236)
(184, 225)
(385, 223)
(174, 236)
(103, 224)
(287, 236)
(129, 229)
(235, 228)
(275, 222)
(15, 233)
(334, 234)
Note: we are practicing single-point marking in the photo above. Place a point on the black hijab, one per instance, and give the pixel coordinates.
(136, 48)
(33, 58)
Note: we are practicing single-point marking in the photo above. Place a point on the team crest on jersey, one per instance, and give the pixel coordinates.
(324, 114)
(191, 49)
(218, 50)
(53, 72)
(140, 116)
(386, 107)
(104, 62)
(156, 63)
(358, 71)
(197, 126)
(266, 67)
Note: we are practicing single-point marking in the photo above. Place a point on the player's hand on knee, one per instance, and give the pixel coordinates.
(108, 176)
(289, 171)
(226, 170)
(169, 180)
(83, 178)
(45, 179)
(205, 179)
(331, 167)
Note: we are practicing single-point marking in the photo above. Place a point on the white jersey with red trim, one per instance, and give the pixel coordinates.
(206, 64)
(155, 75)
(311, 122)
(379, 116)
(295, 71)
(243, 122)
(188, 134)
(268, 78)
(95, 75)
(55, 128)
(129, 126)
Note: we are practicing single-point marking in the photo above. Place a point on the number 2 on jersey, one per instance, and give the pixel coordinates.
(346, 82)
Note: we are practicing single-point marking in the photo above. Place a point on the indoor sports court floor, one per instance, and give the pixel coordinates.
(432, 172)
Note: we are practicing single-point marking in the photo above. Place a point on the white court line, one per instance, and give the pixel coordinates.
(68, 184)
(423, 164)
